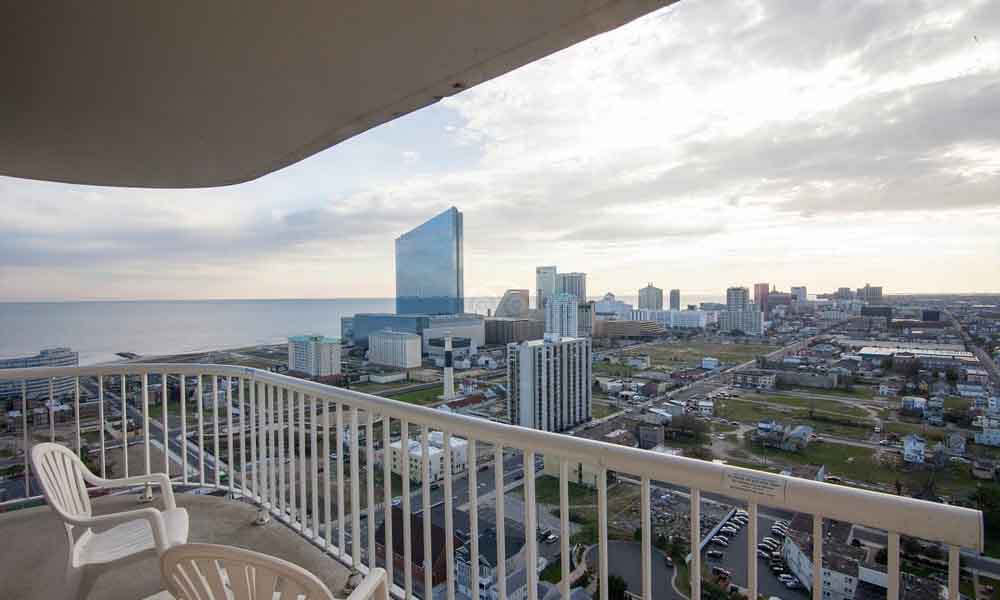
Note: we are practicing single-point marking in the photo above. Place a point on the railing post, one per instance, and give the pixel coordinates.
(124, 400)
(200, 391)
(293, 503)
(216, 462)
(279, 408)
(27, 442)
(387, 496)
(425, 488)
(341, 537)
(473, 518)
(52, 414)
(752, 549)
(404, 470)
(694, 567)
(954, 572)
(370, 471)
(449, 526)
(165, 398)
(184, 439)
(76, 411)
(100, 417)
(892, 560)
(602, 530)
(530, 523)
(566, 563)
(647, 540)
(501, 520)
(817, 558)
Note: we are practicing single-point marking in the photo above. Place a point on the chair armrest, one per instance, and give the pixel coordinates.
(374, 587)
(151, 515)
(160, 479)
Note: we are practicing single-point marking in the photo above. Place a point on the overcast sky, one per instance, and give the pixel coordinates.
(709, 144)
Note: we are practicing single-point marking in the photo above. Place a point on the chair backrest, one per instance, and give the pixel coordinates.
(206, 571)
(61, 474)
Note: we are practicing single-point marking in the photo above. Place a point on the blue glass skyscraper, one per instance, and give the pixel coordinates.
(429, 270)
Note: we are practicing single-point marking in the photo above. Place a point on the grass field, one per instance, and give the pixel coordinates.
(831, 406)
(931, 434)
(426, 396)
(686, 354)
(858, 392)
(956, 403)
(849, 426)
(376, 388)
(601, 410)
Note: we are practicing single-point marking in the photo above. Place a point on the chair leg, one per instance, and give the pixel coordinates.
(72, 581)
(87, 581)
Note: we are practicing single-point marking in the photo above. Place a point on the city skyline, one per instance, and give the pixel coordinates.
(866, 153)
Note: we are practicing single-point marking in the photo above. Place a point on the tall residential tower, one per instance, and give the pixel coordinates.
(651, 297)
(549, 383)
(545, 285)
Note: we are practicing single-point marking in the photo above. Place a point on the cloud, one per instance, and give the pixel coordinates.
(711, 143)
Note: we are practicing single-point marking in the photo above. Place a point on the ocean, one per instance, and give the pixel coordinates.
(98, 330)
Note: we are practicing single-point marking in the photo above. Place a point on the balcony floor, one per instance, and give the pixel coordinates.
(35, 555)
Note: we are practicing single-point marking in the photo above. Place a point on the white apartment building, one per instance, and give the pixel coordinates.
(574, 284)
(549, 383)
(396, 349)
(545, 284)
(749, 320)
(316, 355)
(651, 298)
(737, 298)
(412, 459)
(562, 316)
(459, 450)
(610, 306)
(435, 456)
(687, 319)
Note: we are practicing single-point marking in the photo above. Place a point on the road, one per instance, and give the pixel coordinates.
(625, 560)
(984, 358)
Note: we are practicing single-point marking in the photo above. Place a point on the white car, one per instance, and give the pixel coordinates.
(784, 577)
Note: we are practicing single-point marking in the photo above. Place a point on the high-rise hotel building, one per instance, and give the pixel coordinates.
(430, 275)
(549, 383)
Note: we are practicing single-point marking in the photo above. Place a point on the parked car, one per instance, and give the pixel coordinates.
(670, 562)
(713, 554)
(718, 541)
(763, 554)
(785, 577)
(729, 530)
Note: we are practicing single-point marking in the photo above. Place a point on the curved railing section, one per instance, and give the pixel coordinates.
(259, 434)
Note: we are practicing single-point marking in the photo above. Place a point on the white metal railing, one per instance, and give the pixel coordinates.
(271, 409)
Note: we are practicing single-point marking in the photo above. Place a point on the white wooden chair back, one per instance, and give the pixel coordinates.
(61, 473)
(207, 571)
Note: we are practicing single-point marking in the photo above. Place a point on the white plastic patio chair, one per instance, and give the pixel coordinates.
(214, 572)
(123, 537)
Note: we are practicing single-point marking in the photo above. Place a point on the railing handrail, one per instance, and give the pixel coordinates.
(953, 525)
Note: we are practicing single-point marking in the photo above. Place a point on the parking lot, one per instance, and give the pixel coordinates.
(734, 560)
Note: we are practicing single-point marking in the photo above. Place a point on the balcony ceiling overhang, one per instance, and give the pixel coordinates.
(196, 94)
